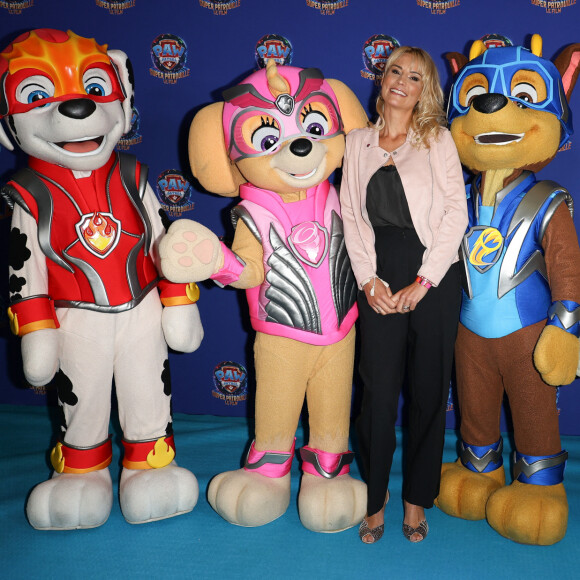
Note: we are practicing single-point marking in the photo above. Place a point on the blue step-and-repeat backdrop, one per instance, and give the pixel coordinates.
(185, 52)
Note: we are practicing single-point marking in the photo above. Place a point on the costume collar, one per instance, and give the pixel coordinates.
(57, 172)
(251, 192)
(514, 188)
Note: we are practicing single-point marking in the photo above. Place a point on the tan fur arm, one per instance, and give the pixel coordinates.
(247, 247)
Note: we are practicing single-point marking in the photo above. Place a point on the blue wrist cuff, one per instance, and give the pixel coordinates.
(565, 314)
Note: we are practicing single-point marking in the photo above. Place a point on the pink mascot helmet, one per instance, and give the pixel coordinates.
(258, 118)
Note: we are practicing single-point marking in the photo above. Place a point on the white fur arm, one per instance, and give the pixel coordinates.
(182, 327)
(28, 277)
(40, 356)
(28, 272)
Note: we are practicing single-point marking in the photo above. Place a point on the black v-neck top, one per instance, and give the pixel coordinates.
(386, 201)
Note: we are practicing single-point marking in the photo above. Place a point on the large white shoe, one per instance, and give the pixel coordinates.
(331, 505)
(148, 495)
(71, 501)
(249, 499)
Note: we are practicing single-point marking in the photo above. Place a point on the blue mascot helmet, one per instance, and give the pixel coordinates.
(498, 66)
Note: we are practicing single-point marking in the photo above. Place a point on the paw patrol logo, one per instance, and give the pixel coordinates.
(496, 41)
(99, 233)
(273, 46)
(438, 7)
(327, 7)
(485, 245)
(309, 242)
(231, 383)
(553, 7)
(174, 192)
(132, 137)
(16, 6)
(115, 6)
(169, 55)
(220, 7)
(376, 51)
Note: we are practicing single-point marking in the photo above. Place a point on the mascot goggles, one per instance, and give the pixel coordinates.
(256, 124)
(498, 66)
(24, 93)
(40, 70)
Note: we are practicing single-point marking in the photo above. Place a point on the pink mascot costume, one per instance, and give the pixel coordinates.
(84, 279)
(274, 141)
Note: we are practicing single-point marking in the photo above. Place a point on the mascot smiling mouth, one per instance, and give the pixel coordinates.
(82, 146)
(494, 138)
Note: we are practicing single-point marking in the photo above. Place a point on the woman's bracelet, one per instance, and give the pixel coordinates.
(422, 281)
(375, 278)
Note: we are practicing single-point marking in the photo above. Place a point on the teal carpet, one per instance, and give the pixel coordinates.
(201, 545)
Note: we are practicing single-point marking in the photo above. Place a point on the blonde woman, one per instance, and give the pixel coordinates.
(404, 211)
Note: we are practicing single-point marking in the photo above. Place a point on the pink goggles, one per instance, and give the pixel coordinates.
(256, 124)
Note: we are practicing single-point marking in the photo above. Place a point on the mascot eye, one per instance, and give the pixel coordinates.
(96, 89)
(34, 89)
(265, 136)
(472, 93)
(525, 92)
(37, 96)
(97, 83)
(314, 122)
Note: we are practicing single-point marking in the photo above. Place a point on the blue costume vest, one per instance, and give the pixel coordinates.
(506, 281)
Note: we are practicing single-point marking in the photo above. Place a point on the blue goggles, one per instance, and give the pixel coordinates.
(498, 66)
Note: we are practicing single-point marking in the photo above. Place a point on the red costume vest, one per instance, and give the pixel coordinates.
(94, 232)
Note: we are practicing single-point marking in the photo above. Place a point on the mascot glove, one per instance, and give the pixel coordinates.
(556, 356)
(40, 356)
(182, 327)
(189, 252)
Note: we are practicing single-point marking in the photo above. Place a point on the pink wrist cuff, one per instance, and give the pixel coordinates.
(324, 464)
(269, 463)
(231, 270)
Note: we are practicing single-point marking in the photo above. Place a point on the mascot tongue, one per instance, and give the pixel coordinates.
(81, 146)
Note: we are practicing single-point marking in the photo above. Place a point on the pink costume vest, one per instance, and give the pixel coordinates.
(309, 290)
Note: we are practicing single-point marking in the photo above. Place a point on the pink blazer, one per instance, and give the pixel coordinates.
(435, 190)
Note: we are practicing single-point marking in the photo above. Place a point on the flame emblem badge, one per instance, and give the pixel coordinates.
(99, 232)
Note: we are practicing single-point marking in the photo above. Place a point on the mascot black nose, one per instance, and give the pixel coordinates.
(77, 108)
(301, 147)
(489, 103)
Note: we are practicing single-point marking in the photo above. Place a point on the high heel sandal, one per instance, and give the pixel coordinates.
(375, 533)
(421, 529)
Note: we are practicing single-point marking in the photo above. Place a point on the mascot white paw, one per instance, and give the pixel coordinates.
(147, 495)
(249, 499)
(331, 505)
(71, 501)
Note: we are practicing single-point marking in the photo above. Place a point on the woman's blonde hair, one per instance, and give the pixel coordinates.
(428, 114)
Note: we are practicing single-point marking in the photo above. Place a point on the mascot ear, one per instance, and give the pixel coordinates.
(568, 65)
(352, 112)
(208, 158)
(4, 141)
(456, 61)
(125, 73)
